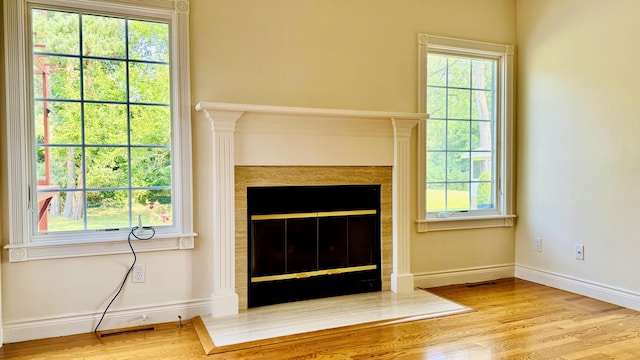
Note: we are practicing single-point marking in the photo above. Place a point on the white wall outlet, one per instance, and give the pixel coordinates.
(537, 244)
(579, 252)
(137, 274)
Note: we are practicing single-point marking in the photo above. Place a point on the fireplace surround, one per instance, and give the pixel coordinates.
(260, 135)
(247, 177)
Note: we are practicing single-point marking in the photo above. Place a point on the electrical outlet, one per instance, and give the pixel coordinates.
(579, 252)
(537, 244)
(137, 275)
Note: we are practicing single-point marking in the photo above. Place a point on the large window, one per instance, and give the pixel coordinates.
(466, 142)
(102, 115)
(104, 137)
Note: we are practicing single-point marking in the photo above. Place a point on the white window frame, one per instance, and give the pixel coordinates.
(503, 215)
(22, 246)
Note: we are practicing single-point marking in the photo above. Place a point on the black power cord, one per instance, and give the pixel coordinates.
(135, 258)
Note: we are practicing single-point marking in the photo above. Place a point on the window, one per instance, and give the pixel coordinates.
(466, 144)
(104, 138)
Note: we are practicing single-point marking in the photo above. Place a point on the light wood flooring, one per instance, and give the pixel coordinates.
(513, 319)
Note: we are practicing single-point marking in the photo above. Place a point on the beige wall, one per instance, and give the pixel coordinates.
(578, 129)
(356, 54)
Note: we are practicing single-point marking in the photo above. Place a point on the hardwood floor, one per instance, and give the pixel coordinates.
(513, 319)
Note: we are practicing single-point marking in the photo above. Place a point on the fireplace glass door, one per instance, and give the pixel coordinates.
(313, 242)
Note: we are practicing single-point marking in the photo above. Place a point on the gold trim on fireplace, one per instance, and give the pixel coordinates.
(303, 275)
(313, 214)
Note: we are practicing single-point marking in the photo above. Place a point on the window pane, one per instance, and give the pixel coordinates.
(459, 104)
(108, 209)
(61, 120)
(55, 32)
(150, 125)
(149, 83)
(436, 166)
(436, 134)
(103, 36)
(153, 206)
(482, 105)
(458, 196)
(436, 70)
(150, 167)
(66, 212)
(105, 80)
(56, 77)
(482, 165)
(483, 195)
(458, 166)
(481, 135)
(437, 102)
(148, 41)
(107, 167)
(59, 187)
(458, 135)
(483, 71)
(436, 197)
(58, 167)
(105, 124)
(459, 74)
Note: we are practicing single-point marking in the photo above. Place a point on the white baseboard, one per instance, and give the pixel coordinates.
(610, 294)
(463, 276)
(70, 324)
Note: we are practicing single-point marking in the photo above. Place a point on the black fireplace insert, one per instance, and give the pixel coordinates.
(309, 242)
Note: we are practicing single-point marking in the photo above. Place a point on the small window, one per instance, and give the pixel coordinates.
(466, 143)
(461, 147)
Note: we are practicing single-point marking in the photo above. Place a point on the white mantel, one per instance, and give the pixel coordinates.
(276, 135)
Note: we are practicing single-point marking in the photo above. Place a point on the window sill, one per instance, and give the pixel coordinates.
(462, 223)
(67, 249)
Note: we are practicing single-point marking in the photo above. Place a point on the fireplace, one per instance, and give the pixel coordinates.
(328, 146)
(312, 241)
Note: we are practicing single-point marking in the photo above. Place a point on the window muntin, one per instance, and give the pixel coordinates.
(461, 133)
(102, 121)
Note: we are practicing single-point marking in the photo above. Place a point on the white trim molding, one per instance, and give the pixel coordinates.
(224, 298)
(57, 250)
(401, 277)
(464, 276)
(80, 323)
(607, 293)
(476, 222)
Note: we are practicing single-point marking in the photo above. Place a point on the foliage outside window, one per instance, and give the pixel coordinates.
(98, 131)
(102, 120)
(466, 156)
(460, 133)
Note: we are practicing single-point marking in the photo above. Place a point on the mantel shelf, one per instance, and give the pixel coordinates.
(288, 110)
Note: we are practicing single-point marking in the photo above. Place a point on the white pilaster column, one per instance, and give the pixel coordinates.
(224, 300)
(401, 276)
